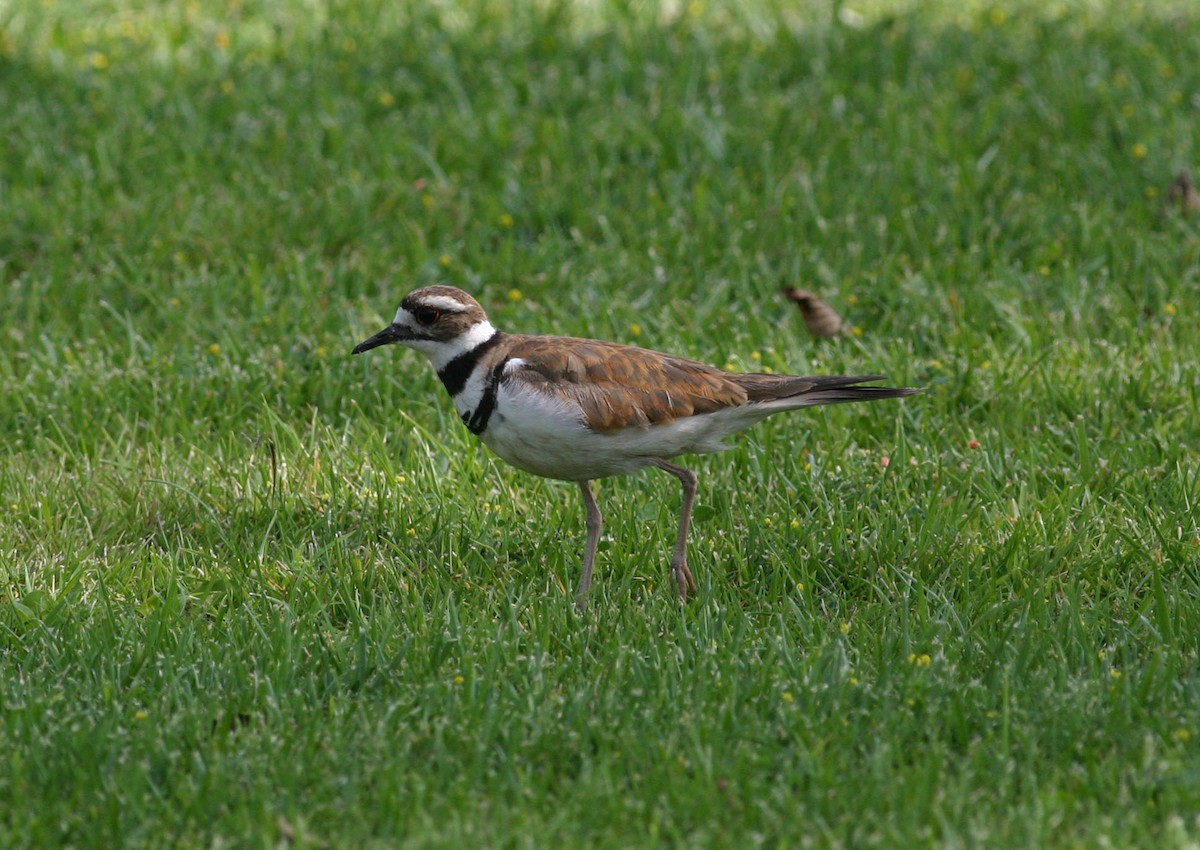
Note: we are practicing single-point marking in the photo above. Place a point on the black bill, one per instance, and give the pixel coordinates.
(388, 336)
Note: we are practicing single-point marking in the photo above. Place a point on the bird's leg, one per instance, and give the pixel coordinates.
(683, 576)
(594, 524)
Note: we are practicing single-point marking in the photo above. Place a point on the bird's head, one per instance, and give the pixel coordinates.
(441, 322)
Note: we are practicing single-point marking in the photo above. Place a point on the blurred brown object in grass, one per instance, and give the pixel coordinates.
(820, 319)
(1183, 194)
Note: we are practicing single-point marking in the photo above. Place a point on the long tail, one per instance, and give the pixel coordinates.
(789, 392)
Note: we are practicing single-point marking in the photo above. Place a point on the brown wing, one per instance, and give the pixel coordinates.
(617, 386)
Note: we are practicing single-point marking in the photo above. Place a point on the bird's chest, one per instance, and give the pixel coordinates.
(475, 399)
(546, 434)
(537, 433)
(467, 400)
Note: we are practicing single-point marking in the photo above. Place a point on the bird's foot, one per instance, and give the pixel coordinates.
(683, 579)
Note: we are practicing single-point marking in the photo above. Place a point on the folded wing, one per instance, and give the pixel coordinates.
(621, 386)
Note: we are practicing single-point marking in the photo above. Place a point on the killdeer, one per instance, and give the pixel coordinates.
(581, 409)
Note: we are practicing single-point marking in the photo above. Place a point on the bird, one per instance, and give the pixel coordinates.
(585, 409)
(820, 319)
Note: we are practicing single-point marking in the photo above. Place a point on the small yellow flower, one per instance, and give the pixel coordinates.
(505, 220)
(444, 261)
(1139, 151)
(856, 331)
(755, 356)
(1182, 735)
(227, 86)
(1170, 309)
(799, 587)
(386, 99)
(729, 367)
(222, 40)
(851, 299)
(768, 522)
(98, 60)
(515, 295)
(635, 329)
(922, 660)
(997, 16)
(410, 531)
(214, 349)
(1114, 674)
(174, 302)
(321, 351)
(1101, 655)
(141, 714)
(458, 680)
(427, 200)
(795, 523)
(1151, 192)
(695, 9)
(844, 627)
(1044, 271)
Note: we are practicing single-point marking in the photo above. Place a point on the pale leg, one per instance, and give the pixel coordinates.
(683, 576)
(594, 524)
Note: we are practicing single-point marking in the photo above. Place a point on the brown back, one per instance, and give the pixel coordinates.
(621, 385)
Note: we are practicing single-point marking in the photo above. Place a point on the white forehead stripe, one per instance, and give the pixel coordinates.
(444, 302)
(438, 302)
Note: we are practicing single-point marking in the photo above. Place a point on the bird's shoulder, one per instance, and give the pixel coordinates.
(618, 386)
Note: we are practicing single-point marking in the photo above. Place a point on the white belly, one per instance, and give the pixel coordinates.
(546, 436)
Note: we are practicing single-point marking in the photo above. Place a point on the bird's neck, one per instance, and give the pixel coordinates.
(458, 368)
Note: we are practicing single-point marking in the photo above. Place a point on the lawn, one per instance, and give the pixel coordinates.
(257, 593)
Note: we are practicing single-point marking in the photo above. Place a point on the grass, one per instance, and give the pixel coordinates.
(256, 593)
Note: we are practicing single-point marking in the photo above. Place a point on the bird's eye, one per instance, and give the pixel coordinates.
(426, 316)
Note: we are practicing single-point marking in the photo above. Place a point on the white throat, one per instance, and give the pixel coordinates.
(441, 352)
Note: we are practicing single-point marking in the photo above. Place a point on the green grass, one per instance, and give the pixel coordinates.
(254, 592)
